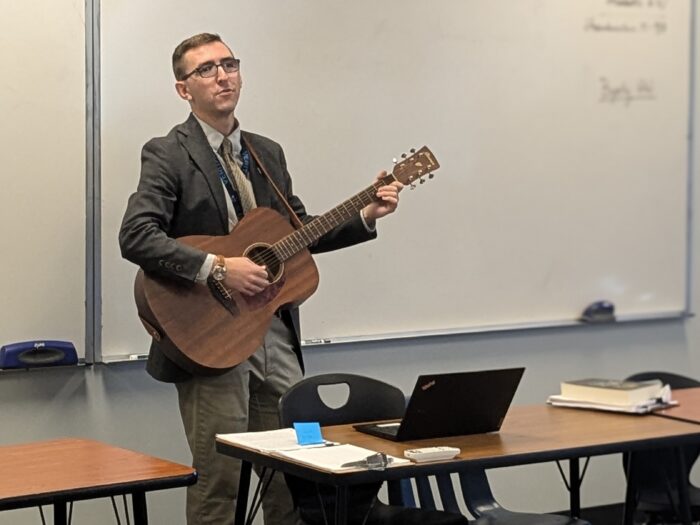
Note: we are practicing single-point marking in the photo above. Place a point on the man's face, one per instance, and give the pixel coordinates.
(215, 96)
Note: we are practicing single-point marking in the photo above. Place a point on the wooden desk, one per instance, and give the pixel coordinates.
(58, 471)
(688, 408)
(530, 434)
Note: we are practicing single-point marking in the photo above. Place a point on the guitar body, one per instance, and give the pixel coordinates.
(205, 334)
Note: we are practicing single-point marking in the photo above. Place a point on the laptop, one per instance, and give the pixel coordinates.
(453, 404)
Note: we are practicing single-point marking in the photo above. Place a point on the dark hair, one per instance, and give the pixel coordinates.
(191, 43)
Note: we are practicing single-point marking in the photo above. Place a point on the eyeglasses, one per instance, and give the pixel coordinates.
(209, 69)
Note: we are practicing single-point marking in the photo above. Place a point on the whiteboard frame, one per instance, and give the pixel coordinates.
(693, 55)
(560, 323)
(93, 211)
(93, 343)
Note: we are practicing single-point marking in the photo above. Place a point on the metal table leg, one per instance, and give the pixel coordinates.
(243, 489)
(59, 513)
(138, 501)
(574, 488)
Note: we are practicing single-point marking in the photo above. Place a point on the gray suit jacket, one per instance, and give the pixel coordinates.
(179, 193)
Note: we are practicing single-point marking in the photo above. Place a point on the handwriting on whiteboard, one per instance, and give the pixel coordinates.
(624, 93)
(629, 16)
(650, 4)
(613, 24)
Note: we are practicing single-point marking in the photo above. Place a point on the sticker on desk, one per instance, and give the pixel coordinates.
(308, 433)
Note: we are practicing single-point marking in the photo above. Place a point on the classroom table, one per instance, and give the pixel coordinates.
(58, 471)
(688, 408)
(530, 434)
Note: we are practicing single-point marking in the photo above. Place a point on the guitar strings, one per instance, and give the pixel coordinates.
(322, 224)
(269, 257)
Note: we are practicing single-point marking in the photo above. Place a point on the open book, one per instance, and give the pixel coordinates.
(328, 456)
(336, 458)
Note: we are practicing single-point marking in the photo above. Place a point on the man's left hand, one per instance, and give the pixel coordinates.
(388, 201)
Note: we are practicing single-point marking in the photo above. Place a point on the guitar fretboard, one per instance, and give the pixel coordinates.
(290, 245)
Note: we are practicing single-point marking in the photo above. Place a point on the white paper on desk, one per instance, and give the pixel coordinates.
(331, 458)
(266, 441)
(642, 408)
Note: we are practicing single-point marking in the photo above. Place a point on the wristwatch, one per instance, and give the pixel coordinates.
(218, 270)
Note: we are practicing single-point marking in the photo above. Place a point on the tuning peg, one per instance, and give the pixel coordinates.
(412, 150)
(431, 175)
(403, 155)
(394, 160)
(422, 181)
(412, 185)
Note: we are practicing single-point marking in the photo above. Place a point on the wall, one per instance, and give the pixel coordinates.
(120, 404)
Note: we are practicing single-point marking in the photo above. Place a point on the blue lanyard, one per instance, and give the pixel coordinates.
(245, 156)
(230, 188)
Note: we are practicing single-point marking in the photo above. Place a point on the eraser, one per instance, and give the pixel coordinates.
(599, 312)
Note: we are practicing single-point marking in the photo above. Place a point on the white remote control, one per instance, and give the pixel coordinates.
(420, 455)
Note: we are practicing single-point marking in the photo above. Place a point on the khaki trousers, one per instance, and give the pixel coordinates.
(241, 400)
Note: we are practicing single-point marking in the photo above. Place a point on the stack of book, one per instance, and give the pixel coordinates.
(637, 397)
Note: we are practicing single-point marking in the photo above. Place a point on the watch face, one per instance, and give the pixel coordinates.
(218, 273)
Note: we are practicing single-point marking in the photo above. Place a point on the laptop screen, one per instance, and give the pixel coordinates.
(454, 404)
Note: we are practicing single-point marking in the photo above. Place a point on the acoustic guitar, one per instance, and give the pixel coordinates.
(210, 329)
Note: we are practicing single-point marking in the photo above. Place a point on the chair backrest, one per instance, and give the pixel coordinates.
(654, 468)
(675, 381)
(368, 399)
(477, 492)
(446, 491)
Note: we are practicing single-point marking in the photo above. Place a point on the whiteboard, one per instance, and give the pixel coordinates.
(561, 127)
(42, 202)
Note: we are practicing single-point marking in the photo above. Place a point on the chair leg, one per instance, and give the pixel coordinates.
(631, 492)
(685, 514)
(341, 505)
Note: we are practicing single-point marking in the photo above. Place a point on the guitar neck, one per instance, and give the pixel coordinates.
(415, 167)
(315, 229)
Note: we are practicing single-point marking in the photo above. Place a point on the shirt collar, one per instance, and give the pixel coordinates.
(215, 138)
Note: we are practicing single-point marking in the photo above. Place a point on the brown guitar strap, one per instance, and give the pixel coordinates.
(295, 220)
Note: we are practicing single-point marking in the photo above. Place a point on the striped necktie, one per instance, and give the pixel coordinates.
(240, 181)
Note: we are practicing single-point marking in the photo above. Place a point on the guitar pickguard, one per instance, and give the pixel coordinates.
(257, 301)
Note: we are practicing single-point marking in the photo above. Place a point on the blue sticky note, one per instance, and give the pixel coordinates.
(308, 433)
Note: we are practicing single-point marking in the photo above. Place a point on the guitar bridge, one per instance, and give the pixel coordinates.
(222, 295)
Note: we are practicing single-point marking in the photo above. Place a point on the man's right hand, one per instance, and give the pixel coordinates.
(244, 276)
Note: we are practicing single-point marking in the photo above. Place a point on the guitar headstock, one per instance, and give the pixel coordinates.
(416, 166)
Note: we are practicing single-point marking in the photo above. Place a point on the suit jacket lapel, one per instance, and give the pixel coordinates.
(196, 144)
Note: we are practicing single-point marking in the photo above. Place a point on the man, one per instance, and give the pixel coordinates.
(198, 180)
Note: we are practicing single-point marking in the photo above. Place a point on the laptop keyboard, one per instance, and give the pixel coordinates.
(390, 429)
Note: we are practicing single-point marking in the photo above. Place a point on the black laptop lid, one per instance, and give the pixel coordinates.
(459, 403)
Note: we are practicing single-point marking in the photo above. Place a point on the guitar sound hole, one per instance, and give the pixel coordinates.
(262, 254)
